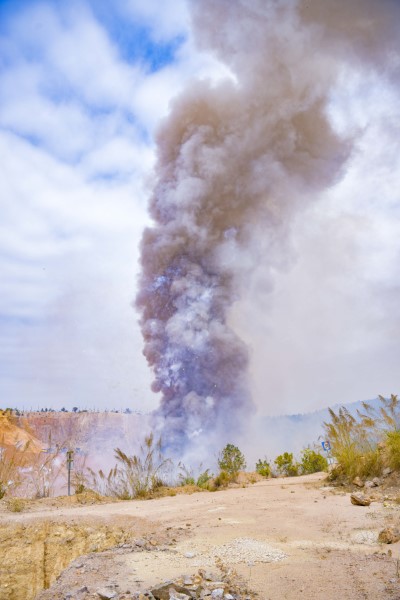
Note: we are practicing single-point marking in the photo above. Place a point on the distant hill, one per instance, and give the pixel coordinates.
(99, 433)
(292, 433)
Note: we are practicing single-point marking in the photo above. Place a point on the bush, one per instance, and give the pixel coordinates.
(263, 468)
(231, 460)
(223, 479)
(186, 476)
(203, 479)
(285, 465)
(15, 504)
(312, 461)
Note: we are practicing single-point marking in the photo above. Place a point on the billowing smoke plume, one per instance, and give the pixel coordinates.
(236, 161)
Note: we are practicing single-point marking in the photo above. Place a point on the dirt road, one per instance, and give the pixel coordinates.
(287, 538)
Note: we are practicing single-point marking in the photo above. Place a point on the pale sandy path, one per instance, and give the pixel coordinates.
(329, 543)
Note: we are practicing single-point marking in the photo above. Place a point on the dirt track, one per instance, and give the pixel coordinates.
(330, 546)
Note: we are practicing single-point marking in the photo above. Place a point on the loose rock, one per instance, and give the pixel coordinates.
(106, 594)
(389, 535)
(358, 482)
(360, 500)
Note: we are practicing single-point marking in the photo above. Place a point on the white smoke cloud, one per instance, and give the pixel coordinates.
(239, 165)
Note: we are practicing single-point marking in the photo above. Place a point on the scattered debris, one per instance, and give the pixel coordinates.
(199, 586)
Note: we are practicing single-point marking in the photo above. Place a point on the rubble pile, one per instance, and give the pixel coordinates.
(204, 585)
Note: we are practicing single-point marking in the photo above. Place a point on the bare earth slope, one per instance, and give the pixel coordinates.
(320, 544)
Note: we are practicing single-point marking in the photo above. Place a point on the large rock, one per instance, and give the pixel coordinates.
(389, 535)
(359, 499)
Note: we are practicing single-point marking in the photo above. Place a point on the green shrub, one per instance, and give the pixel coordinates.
(285, 465)
(312, 461)
(231, 460)
(223, 479)
(204, 479)
(185, 476)
(263, 468)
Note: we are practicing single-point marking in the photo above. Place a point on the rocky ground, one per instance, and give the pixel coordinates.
(277, 539)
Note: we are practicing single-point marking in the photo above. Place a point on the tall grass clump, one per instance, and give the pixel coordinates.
(134, 476)
(363, 445)
(10, 476)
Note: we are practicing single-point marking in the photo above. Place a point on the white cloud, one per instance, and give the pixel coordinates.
(75, 135)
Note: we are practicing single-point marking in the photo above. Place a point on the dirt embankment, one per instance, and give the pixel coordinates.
(286, 538)
(33, 552)
(13, 434)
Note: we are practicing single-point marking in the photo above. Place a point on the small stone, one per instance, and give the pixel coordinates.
(369, 484)
(376, 481)
(360, 500)
(358, 482)
(389, 535)
(164, 591)
(213, 585)
(207, 575)
(106, 594)
(140, 543)
(217, 593)
(386, 472)
(189, 555)
(228, 597)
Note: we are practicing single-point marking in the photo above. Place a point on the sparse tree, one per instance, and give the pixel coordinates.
(285, 465)
(231, 460)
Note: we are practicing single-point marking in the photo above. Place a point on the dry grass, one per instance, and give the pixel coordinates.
(365, 444)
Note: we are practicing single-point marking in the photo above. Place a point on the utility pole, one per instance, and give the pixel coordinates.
(70, 462)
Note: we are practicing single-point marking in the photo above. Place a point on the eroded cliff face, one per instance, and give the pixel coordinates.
(13, 432)
(33, 555)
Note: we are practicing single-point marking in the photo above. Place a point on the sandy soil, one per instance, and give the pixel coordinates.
(330, 546)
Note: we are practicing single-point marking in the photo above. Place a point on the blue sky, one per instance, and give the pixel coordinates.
(83, 86)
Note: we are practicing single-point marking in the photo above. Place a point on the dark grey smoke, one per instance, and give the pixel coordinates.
(236, 161)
